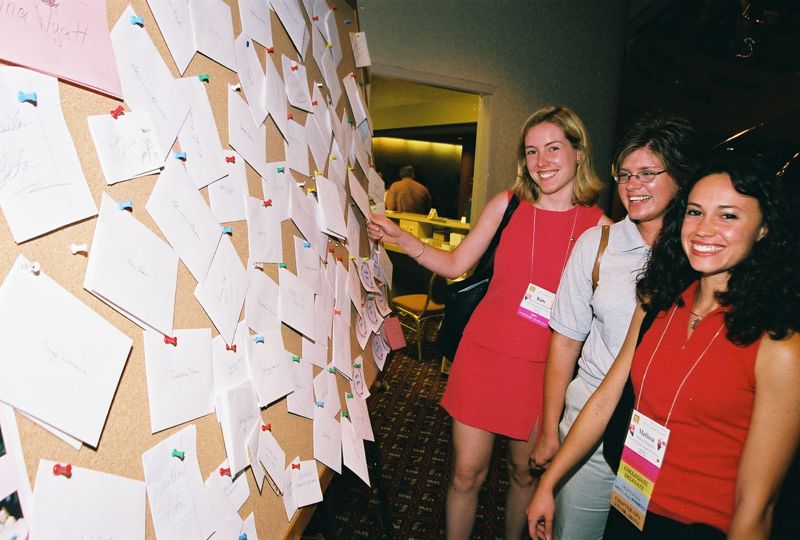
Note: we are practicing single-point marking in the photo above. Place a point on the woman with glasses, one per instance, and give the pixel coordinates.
(495, 384)
(653, 159)
(715, 379)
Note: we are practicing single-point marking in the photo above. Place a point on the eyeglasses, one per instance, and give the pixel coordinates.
(644, 177)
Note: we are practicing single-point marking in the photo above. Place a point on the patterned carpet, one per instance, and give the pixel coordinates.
(413, 433)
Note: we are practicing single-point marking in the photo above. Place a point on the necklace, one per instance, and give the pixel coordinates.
(698, 317)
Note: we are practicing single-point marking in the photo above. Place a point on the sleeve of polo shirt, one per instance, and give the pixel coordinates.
(572, 310)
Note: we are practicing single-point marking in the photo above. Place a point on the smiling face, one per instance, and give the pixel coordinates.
(646, 202)
(720, 227)
(550, 159)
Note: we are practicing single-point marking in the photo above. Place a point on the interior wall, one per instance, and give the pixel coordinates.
(530, 53)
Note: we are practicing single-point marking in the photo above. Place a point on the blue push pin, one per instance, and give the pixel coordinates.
(227, 230)
(259, 339)
(27, 97)
(306, 244)
(243, 536)
(180, 155)
(126, 205)
(320, 403)
(137, 21)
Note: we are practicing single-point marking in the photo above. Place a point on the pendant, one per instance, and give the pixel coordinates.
(695, 322)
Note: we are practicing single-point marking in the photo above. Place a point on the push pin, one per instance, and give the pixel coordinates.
(331, 370)
(267, 203)
(370, 297)
(259, 339)
(243, 536)
(329, 45)
(348, 21)
(337, 311)
(126, 205)
(293, 67)
(247, 43)
(281, 265)
(315, 18)
(270, 50)
(331, 249)
(27, 97)
(340, 259)
(180, 155)
(236, 87)
(314, 102)
(357, 366)
(348, 395)
(203, 77)
(280, 169)
(319, 85)
(225, 471)
(230, 159)
(290, 116)
(266, 427)
(306, 244)
(258, 266)
(345, 415)
(320, 404)
(137, 21)
(117, 112)
(227, 230)
(78, 248)
(230, 347)
(62, 470)
(180, 455)
(171, 340)
(295, 466)
(295, 358)
(35, 268)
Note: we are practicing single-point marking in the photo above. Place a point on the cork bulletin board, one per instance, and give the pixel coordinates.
(127, 431)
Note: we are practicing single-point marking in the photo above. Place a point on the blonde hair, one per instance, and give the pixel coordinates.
(586, 186)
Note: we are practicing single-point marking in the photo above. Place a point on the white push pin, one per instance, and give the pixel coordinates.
(236, 87)
(35, 268)
(78, 248)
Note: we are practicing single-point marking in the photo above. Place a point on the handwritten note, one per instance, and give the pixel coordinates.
(276, 98)
(327, 440)
(296, 303)
(175, 23)
(307, 263)
(273, 459)
(360, 50)
(296, 79)
(127, 146)
(305, 483)
(42, 186)
(291, 16)
(270, 366)
(239, 415)
(296, 148)
(227, 196)
(175, 490)
(263, 232)
(212, 27)
(256, 22)
(65, 39)
(223, 290)
(244, 135)
(179, 378)
(251, 76)
(261, 304)
(301, 400)
(355, 458)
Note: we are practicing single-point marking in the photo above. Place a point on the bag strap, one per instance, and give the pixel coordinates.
(601, 249)
(487, 259)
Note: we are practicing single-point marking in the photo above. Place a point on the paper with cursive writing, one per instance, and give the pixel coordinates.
(175, 23)
(251, 77)
(276, 186)
(296, 148)
(261, 304)
(42, 186)
(256, 22)
(307, 264)
(296, 80)
(358, 40)
(212, 27)
(296, 303)
(239, 415)
(178, 502)
(305, 482)
(330, 208)
(184, 218)
(271, 370)
(323, 55)
(272, 459)
(327, 440)
(263, 232)
(342, 353)
(179, 378)
(244, 135)
(301, 400)
(108, 505)
(68, 40)
(226, 519)
(199, 137)
(315, 352)
(227, 196)
(276, 98)
(126, 146)
(291, 16)
(229, 360)
(223, 290)
(61, 362)
(355, 458)
(146, 80)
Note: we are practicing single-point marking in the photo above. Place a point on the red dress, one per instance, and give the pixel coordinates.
(710, 418)
(496, 382)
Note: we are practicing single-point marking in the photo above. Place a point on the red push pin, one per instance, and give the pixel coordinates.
(296, 466)
(270, 50)
(314, 102)
(118, 111)
(230, 347)
(337, 311)
(339, 259)
(315, 18)
(230, 159)
(331, 249)
(224, 472)
(333, 8)
(171, 340)
(267, 203)
(266, 427)
(291, 116)
(62, 470)
(293, 68)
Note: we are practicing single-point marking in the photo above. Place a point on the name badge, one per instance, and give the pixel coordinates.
(536, 304)
(642, 458)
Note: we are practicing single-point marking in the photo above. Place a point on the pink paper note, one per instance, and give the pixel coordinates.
(63, 38)
(393, 333)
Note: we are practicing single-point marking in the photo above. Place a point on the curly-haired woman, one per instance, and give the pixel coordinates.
(718, 372)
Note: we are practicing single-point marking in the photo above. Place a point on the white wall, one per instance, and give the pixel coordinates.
(529, 53)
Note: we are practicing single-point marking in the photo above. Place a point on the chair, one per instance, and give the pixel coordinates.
(420, 308)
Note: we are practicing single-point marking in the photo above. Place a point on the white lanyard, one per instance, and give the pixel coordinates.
(569, 243)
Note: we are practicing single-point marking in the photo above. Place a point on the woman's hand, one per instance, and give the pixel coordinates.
(540, 513)
(382, 229)
(544, 450)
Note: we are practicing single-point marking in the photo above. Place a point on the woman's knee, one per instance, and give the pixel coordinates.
(520, 474)
(466, 479)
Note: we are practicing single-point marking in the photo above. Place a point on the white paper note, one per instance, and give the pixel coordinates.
(175, 23)
(355, 457)
(212, 27)
(184, 218)
(224, 515)
(360, 50)
(307, 264)
(179, 377)
(305, 482)
(223, 290)
(229, 360)
(359, 195)
(42, 186)
(301, 400)
(101, 502)
(359, 417)
(276, 98)
(296, 79)
(270, 366)
(291, 16)
(126, 146)
(256, 22)
(296, 303)
(14, 484)
(251, 76)
(264, 231)
(249, 139)
(199, 138)
(227, 196)
(273, 459)
(331, 210)
(261, 305)
(239, 415)
(146, 81)
(328, 440)
(315, 352)
(175, 491)
(297, 148)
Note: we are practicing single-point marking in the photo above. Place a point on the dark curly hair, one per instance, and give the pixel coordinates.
(764, 289)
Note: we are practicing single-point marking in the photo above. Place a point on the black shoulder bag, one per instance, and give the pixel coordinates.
(617, 428)
(462, 297)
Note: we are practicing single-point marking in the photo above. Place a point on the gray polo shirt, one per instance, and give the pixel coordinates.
(601, 319)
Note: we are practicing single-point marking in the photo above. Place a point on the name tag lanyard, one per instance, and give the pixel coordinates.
(566, 252)
(645, 446)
